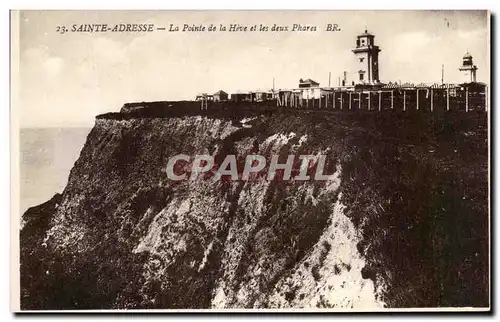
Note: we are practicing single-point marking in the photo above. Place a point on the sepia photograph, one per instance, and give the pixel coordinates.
(250, 161)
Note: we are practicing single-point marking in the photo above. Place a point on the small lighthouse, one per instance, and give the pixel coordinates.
(367, 59)
(468, 68)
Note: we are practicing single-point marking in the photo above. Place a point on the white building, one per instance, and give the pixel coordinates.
(468, 69)
(367, 59)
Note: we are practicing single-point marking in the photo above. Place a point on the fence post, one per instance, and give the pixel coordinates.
(486, 98)
(379, 101)
(350, 95)
(334, 100)
(417, 99)
(466, 99)
(404, 100)
(369, 101)
(432, 100)
(392, 99)
(447, 98)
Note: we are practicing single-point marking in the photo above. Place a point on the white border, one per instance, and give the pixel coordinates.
(195, 5)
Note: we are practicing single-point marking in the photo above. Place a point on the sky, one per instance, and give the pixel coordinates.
(65, 80)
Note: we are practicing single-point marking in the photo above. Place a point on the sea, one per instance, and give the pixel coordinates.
(46, 158)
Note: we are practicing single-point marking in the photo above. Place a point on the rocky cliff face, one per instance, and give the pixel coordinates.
(404, 222)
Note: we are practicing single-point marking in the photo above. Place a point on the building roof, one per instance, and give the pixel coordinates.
(220, 92)
(366, 33)
(261, 90)
(408, 85)
(308, 81)
(473, 84)
(467, 56)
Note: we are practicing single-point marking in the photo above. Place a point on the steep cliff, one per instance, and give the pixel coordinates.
(404, 222)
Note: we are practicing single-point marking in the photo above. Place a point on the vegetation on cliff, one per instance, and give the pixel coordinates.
(409, 208)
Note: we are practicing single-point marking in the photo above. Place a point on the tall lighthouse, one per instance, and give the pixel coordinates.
(367, 59)
(468, 69)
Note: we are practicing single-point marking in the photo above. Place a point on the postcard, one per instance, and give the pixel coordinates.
(250, 161)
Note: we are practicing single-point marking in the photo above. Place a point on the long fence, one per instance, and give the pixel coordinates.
(473, 97)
